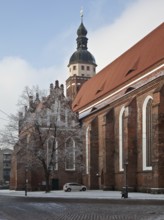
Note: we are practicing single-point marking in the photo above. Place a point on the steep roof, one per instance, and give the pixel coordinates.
(135, 62)
(82, 55)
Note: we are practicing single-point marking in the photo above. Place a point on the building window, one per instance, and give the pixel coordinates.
(70, 154)
(87, 150)
(74, 67)
(6, 156)
(82, 67)
(121, 139)
(88, 68)
(147, 133)
(52, 154)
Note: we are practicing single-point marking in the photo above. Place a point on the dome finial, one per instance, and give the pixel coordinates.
(81, 14)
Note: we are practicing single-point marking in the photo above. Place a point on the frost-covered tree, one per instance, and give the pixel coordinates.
(49, 137)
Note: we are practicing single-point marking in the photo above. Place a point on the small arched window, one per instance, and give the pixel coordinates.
(147, 133)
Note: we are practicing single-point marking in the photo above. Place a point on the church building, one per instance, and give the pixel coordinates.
(121, 109)
(121, 114)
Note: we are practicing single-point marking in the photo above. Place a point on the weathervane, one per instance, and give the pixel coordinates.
(81, 14)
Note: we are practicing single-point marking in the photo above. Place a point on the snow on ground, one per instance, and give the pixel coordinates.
(92, 194)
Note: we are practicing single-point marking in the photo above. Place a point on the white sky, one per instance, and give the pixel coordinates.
(39, 36)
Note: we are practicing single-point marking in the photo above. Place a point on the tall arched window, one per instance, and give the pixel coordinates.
(121, 139)
(147, 133)
(70, 154)
(87, 150)
(52, 153)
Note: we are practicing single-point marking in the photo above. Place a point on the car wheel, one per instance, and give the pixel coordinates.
(83, 189)
(69, 190)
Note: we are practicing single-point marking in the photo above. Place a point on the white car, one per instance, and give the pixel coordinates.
(68, 187)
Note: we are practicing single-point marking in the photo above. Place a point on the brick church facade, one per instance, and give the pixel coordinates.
(121, 109)
(49, 146)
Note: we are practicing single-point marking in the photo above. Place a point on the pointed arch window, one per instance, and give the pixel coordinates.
(87, 149)
(121, 139)
(52, 153)
(147, 133)
(70, 154)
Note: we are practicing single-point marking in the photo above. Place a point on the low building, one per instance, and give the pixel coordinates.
(5, 166)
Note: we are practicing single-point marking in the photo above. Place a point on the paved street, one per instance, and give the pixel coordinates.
(51, 208)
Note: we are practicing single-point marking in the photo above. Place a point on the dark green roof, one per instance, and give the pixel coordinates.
(82, 56)
(81, 31)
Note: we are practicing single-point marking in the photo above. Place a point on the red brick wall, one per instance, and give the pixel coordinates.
(107, 121)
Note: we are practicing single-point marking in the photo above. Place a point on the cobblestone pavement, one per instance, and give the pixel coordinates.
(12, 208)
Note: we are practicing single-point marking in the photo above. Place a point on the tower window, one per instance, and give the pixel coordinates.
(82, 67)
(74, 67)
(88, 68)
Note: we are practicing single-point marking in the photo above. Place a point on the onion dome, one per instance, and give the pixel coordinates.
(81, 31)
(82, 55)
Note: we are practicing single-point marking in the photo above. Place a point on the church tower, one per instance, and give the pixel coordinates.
(82, 64)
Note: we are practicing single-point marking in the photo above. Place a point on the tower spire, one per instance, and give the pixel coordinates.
(81, 14)
(82, 64)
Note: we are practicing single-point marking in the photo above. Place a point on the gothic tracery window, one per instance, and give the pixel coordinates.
(87, 149)
(52, 153)
(70, 154)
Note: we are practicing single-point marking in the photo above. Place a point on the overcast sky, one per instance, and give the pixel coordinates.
(38, 37)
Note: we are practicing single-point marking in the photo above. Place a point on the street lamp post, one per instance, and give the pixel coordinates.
(26, 180)
(126, 179)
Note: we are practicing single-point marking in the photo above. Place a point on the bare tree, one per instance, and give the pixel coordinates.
(9, 135)
(49, 135)
(30, 92)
